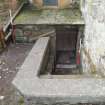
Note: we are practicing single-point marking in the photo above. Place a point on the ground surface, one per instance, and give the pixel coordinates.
(10, 62)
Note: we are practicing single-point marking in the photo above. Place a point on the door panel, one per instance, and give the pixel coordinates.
(66, 39)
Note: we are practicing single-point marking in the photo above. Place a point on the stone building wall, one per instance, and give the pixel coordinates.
(94, 40)
(61, 3)
(29, 33)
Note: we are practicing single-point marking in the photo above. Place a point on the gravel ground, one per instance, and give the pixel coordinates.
(10, 61)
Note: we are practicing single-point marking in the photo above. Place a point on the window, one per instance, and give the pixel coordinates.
(50, 2)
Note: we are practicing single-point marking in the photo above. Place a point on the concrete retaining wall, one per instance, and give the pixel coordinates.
(39, 91)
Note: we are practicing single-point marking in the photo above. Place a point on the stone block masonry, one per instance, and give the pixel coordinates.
(30, 33)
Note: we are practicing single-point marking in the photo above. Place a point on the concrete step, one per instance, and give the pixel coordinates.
(66, 66)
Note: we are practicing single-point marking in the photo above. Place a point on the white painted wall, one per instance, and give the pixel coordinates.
(94, 40)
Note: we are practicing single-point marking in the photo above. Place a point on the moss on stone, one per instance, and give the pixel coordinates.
(21, 101)
(30, 15)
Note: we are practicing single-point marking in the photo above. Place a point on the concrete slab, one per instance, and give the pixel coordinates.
(78, 90)
(31, 15)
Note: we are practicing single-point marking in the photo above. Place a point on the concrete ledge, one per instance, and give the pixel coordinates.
(79, 90)
(31, 15)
